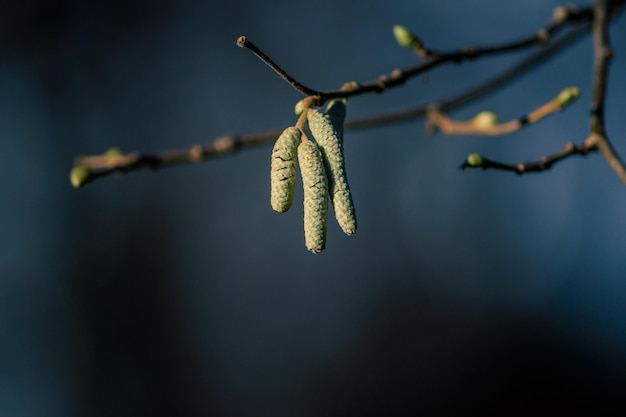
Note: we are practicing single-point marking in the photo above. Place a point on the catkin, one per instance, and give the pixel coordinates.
(336, 113)
(315, 187)
(283, 169)
(327, 131)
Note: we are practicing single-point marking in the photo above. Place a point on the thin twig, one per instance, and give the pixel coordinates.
(486, 123)
(544, 163)
(243, 42)
(397, 77)
(597, 139)
(476, 92)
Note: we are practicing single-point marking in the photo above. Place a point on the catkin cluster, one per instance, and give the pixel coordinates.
(323, 172)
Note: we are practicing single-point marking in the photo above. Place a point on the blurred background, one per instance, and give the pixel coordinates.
(180, 292)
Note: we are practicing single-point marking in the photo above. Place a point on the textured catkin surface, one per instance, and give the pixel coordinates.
(336, 114)
(330, 143)
(315, 187)
(283, 169)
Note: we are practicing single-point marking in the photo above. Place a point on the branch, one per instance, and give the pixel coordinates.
(475, 160)
(562, 16)
(601, 57)
(597, 139)
(88, 169)
(486, 122)
(478, 91)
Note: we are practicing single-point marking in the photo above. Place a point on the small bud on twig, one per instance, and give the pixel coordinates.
(473, 160)
(79, 176)
(485, 119)
(403, 36)
(567, 96)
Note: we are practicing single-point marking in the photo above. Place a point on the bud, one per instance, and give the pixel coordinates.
(299, 107)
(567, 96)
(485, 120)
(79, 175)
(403, 36)
(114, 151)
(474, 160)
(560, 14)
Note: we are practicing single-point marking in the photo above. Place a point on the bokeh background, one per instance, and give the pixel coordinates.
(180, 292)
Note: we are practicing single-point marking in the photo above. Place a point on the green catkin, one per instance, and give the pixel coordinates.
(315, 187)
(336, 113)
(327, 132)
(283, 169)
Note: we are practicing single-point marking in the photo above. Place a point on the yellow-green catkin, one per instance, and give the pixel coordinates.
(327, 131)
(315, 186)
(283, 169)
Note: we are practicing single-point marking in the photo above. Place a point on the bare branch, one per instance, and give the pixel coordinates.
(601, 57)
(486, 122)
(544, 163)
(226, 145)
(397, 77)
(91, 168)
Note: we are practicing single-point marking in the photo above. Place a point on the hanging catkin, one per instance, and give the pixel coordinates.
(283, 169)
(315, 187)
(327, 131)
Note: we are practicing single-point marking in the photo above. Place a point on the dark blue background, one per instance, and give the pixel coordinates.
(181, 292)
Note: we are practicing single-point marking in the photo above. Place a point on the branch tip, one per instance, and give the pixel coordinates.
(567, 96)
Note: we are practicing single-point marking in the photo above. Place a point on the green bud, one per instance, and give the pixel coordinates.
(567, 96)
(79, 175)
(299, 107)
(485, 119)
(403, 36)
(114, 151)
(474, 160)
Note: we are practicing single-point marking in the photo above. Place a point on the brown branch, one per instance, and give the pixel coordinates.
(478, 91)
(88, 169)
(486, 122)
(601, 57)
(544, 163)
(397, 77)
(228, 144)
(243, 42)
